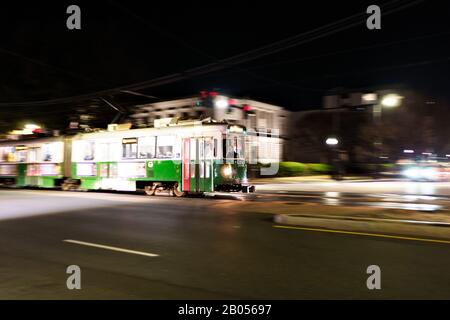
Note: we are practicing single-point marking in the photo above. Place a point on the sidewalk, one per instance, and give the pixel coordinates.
(317, 209)
(357, 219)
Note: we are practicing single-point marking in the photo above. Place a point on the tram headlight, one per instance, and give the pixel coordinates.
(226, 171)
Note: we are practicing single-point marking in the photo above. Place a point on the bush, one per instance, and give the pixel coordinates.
(293, 169)
(319, 168)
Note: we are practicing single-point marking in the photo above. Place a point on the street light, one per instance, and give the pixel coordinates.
(31, 126)
(335, 160)
(391, 100)
(221, 103)
(332, 141)
(369, 97)
(28, 129)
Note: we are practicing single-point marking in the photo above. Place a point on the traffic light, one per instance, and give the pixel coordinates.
(232, 103)
(206, 99)
(247, 111)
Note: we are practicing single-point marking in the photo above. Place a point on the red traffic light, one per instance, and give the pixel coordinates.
(232, 102)
(246, 108)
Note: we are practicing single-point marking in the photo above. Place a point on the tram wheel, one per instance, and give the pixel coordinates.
(176, 192)
(70, 186)
(150, 190)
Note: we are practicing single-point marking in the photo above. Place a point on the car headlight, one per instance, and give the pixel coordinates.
(413, 173)
(429, 173)
(226, 171)
(420, 173)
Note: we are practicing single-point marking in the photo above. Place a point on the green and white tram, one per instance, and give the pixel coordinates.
(34, 162)
(180, 159)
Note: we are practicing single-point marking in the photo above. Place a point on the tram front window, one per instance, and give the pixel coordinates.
(233, 148)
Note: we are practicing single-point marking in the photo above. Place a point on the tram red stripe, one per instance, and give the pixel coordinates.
(186, 166)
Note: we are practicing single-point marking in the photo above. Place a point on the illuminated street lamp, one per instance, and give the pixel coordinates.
(335, 160)
(391, 100)
(28, 129)
(221, 103)
(31, 126)
(369, 98)
(332, 141)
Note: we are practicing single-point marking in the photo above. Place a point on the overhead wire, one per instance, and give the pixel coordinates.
(299, 39)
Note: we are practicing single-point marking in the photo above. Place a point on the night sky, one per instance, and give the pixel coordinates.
(125, 42)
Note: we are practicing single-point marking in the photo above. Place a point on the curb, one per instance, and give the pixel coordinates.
(314, 180)
(412, 228)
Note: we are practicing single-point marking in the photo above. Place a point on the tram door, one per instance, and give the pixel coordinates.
(198, 164)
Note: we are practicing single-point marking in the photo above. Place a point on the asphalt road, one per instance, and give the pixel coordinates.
(196, 249)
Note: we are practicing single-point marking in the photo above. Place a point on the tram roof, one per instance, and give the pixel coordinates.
(125, 133)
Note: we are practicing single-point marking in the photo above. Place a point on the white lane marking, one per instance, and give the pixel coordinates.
(141, 253)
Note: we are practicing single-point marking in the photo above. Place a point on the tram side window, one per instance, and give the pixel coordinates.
(21, 155)
(33, 155)
(47, 154)
(6, 154)
(89, 151)
(165, 147)
(240, 146)
(102, 151)
(129, 150)
(147, 148)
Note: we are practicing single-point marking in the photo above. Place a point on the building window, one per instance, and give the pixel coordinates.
(269, 117)
(252, 121)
